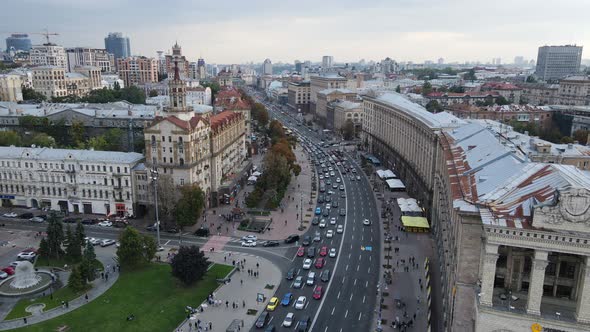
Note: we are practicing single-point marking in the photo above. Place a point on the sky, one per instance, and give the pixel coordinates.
(240, 31)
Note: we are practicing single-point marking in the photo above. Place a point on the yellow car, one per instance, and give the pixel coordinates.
(272, 305)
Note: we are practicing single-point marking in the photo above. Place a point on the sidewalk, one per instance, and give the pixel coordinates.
(221, 316)
(99, 287)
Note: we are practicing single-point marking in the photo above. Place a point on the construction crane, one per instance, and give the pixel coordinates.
(46, 34)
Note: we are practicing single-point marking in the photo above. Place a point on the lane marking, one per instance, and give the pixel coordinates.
(351, 294)
(363, 298)
(357, 268)
(360, 314)
(338, 297)
(355, 281)
(346, 313)
(333, 311)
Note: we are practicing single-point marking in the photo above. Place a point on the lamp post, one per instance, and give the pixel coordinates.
(300, 211)
(154, 177)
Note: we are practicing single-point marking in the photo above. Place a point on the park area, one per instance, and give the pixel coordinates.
(151, 294)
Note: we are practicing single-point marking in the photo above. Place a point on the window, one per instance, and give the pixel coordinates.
(181, 161)
(118, 169)
(153, 140)
(170, 139)
(163, 138)
(182, 182)
(126, 183)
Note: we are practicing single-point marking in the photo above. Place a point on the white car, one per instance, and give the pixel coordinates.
(358, 178)
(367, 222)
(94, 241)
(339, 229)
(107, 242)
(330, 233)
(105, 223)
(3, 275)
(10, 215)
(300, 303)
(307, 264)
(249, 238)
(36, 219)
(289, 320)
(333, 221)
(29, 256)
(249, 243)
(323, 223)
(332, 252)
(338, 180)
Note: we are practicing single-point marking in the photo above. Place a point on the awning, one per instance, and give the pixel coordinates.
(252, 179)
(408, 205)
(416, 222)
(395, 184)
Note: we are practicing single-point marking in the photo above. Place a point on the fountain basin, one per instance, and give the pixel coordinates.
(45, 280)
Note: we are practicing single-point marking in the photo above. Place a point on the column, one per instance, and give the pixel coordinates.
(509, 269)
(537, 278)
(583, 305)
(488, 274)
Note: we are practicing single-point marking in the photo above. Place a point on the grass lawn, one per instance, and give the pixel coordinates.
(155, 298)
(52, 262)
(62, 294)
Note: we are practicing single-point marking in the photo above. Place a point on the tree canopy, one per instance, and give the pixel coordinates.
(135, 249)
(189, 207)
(189, 265)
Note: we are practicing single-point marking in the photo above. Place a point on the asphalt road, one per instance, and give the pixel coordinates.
(349, 297)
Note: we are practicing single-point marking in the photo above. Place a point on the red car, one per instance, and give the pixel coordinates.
(324, 251)
(319, 263)
(30, 250)
(9, 270)
(300, 252)
(317, 292)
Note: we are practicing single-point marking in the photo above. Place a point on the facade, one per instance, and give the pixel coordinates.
(510, 92)
(79, 181)
(328, 95)
(49, 55)
(109, 81)
(18, 42)
(539, 93)
(299, 94)
(10, 87)
(138, 70)
(340, 111)
(230, 99)
(56, 82)
(201, 69)
(540, 115)
(177, 57)
(95, 57)
(327, 62)
(267, 67)
(117, 45)
(574, 90)
(468, 98)
(556, 62)
(323, 82)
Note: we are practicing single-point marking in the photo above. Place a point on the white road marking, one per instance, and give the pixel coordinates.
(346, 314)
(326, 329)
(333, 310)
(369, 270)
(349, 255)
(363, 299)
(355, 281)
(338, 295)
(346, 267)
(357, 268)
(351, 296)
(360, 314)
(367, 284)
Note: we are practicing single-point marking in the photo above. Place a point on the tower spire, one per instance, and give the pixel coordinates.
(176, 71)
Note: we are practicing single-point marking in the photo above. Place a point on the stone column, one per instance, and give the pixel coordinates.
(583, 305)
(537, 278)
(488, 274)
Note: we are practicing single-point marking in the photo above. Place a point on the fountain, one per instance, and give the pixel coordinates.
(26, 280)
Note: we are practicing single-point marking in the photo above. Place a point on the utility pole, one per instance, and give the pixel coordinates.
(154, 177)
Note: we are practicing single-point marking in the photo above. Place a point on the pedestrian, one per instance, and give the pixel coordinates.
(233, 263)
(86, 297)
(25, 319)
(210, 325)
(243, 303)
(102, 275)
(63, 304)
(115, 267)
(227, 304)
(225, 258)
(257, 265)
(106, 277)
(67, 304)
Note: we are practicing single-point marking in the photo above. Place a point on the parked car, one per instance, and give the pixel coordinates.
(28, 256)
(88, 221)
(3, 275)
(270, 243)
(107, 242)
(71, 220)
(9, 270)
(26, 215)
(262, 319)
(36, 219)
(310, 279)
(10, 215)
(94, 241)
(105, 223)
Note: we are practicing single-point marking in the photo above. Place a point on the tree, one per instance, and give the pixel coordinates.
(98, 143)
(135, 250)
(275, 131)
(8, 138)
(168, 196)
(43, 248)
(434, 107)
(189, 265)
(116, 86)
(42, 140)
(150, 247)
(73, 249)
(190, 205)
(500, 100)
(55, 236)
(153, 93)
(398, 89)
(114, 139)
(426, 88)
(531, 79)
(76, 282)
(581, 136)
(80, 234)
(87, 264)
(457, 89)
(78, 133)
(132, 94)
(470, 75)
(348, 130)
(30, 94)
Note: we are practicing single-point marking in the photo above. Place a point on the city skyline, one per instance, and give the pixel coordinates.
(406, 31)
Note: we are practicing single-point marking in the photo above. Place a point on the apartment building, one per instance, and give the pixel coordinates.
(557, 62)
(328, 95)
(299, 94)
(138, 70)
(574, 90)
(49, 55)
(10, 87)
(341, 111)
(93, 57)
(54, 81)
(322, 82)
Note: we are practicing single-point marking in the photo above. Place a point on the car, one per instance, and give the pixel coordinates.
(303, 324)
(270, 328)
(367, 222)
(202, 232)
(333, 221)
(315, 220)
(26, 215)
(311, 252)
(300, 303)
(325, 276)
(105, 224)
(36, 219)
(317, 237)
(358, 178)
(70, 220)
(310, 279)
(10, 215)
(3, 275)
(342, 195)
(28, 256)
(307, 264)
(323, 223)
(300, 252)
(298, 283)
(329, 234)
(317, 292)
(319, 263)
(332, 252)
(292, 238)
(249, 243)
(318, 211)
(172, 229)
(338, 180)
(323, 251)
(335, 186)
(328, 200)
(326, 213)
(287, 299)
(250, 238)
(272, 304)
(342, 212)
(306, 240)
(107, 242)
(288, 321)
(94, 241)
(14, 264)
(88, 221)
(354, 171)
(270, 243)
(262, 319)
(291, 273)
(320, 199)
(9, 270)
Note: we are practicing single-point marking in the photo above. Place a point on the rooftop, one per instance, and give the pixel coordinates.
(11, 152)
(115, 110)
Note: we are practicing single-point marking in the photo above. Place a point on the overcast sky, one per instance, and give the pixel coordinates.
(238, 31)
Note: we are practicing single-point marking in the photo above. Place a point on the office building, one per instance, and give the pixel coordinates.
(49, 55)
(18, 42)
(95, 57)
(327, 62)
(138, 70)
(299, 95)
(201, 69)
(117, 45)
(556, 62)
(267, 67)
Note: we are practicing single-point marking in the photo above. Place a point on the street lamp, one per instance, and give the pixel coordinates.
(154, 177)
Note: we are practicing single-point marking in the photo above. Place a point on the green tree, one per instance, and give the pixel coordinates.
(30, 94)
(168, 196)
(76, 282)
(215, 87)
(348, 130)
(55, 236)
(135, 250)
(275, 131)
(87, 265)
(581, 136)
(398, 89)
(8, 138)
(457, 89)
(531, 79)
(43, 140)
(43, 248)
(189, 207)
(78, 133)
(150, 247)
(132, 94)
(98, 143)
(114, 139)
(116, 86)
(500, 100)
(470, 75)
(426, 88)
(73, 249)
(189, 265)
(80, 234)
(153, 93)
(29, 122)
(434, 107)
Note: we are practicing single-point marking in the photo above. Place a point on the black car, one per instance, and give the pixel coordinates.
(270, 243)
(153, 228)
(26, 215)
(202, 232)
(325, 276)
(311, 252)
(270, 328)
(335, 204)
(172, 229)
(320, 199)
(70, 220)
(291, 273)
(306, 240)
(303, 324)
(262, 319)
(292, 238)
(315, 220)
(328, 199)
(42, 216)
(88, 221)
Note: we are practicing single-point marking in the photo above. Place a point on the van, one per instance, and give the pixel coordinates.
(310, 279)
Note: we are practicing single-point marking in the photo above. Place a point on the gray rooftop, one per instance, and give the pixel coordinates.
(102, 157)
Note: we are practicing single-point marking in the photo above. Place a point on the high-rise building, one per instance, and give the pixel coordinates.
(95, 57)
(327, 62)
(118, 45)
(49, 55)
(267, 67)
(441, 61)
(201, 69)
(177, 57)
(18, 42)
(138, 70)
(298, 66)
(555, 62)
